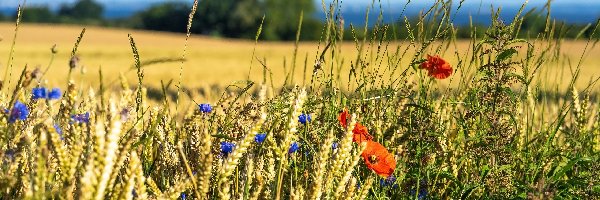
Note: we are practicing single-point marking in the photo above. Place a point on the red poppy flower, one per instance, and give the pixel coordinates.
(360, 134)
(437, 67)
(343, 118)
(378, 159)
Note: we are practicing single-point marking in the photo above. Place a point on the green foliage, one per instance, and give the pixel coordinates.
(235, 18)
(229, 18)
(82, 10)
(239, 19)
(164, 17)
(533, 25)
(40, 14)
(282, 19)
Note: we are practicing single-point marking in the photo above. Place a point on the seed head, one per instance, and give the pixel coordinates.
(74, 62)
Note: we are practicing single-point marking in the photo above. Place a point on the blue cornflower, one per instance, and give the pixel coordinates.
(227, 147)
(10, 154)
(389, 181)
(81, 118)
(58, 130)
(18, 112)
(293, 148)
(38, 93)
(183, 196)
(334, 146)
(304, 118)
(259, 138)
(422, 193)
(55, 93)
(205, 108)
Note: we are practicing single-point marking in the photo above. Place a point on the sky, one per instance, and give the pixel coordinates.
(14, 3)
(576, 11)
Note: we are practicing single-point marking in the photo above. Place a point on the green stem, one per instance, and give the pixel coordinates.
(279, 178)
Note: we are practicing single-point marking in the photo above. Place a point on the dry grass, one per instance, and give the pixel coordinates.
(210, 60)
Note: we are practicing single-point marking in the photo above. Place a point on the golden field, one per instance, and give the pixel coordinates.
(210, 61)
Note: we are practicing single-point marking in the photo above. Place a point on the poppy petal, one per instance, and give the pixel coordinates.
(343, 118)
(360, 133)
(378, 159)
(437, 67)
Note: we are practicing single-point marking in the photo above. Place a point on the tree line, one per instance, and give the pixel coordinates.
(223, 18)
(242, 18)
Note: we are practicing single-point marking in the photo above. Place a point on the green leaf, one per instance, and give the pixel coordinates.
(450, 177)
(467, 192)
(484, 172)
(569, 166)
(506, 54)
(517, 41)
(596, 189)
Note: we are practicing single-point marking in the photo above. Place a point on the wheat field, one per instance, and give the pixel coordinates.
(218, 61)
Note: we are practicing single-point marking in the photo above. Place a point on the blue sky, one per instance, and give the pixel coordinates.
(346, 3)
(13, 3)
(576, 11)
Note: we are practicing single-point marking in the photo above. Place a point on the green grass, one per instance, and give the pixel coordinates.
(497, 128)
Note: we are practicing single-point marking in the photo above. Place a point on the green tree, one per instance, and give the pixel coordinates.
(534, 22)
(171, 16)
(82, 10)
(229, 18)
(235, 18)
(241, 18)
(282, 18)
(38, 14)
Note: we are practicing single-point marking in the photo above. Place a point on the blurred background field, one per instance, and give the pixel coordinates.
(222, 48)
(218, 61)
